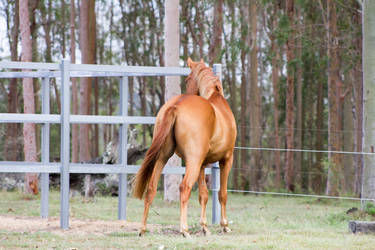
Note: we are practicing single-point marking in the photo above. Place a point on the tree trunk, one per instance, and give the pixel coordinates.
(348, 135)
(215, 44)
(34, 26)
(299, 111)
(96, 112)
(30, 150)
(243, 131)
(185, 19)
(358, 102)
(142, 96)
(63, 49)
(87, 44)
(308, 126)
(200, 23)
(368, 177)
(11, 146)
(232, 80)
(161, 50)
(214, 53)
(172, 86)
(317, 179)
(75, 127)
(33, 4)
(334, 181)
(275, 86)
(289, 168)
(255, 104)
(46, 19)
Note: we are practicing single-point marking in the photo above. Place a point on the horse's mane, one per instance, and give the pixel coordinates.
(203, 75)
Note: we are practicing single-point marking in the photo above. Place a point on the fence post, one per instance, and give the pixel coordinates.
(368, 138)
(215, 172)
(123, 149)
(65, 144)
(215, 180)
(44, 200)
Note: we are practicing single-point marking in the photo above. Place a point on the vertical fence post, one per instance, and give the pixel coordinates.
(215, 180)
(215, 172)
(44, 200)
(368, 137)
(65, 144)
(123, 149)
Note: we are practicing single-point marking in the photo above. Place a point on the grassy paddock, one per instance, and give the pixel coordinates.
(264, 222)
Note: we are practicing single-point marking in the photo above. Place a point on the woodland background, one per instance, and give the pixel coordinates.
(292, 73)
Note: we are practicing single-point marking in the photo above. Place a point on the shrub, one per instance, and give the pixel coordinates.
(370, 208)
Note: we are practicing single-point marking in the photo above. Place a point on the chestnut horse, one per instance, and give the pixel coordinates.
(200, 128)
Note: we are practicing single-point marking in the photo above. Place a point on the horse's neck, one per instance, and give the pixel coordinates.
(207, 82)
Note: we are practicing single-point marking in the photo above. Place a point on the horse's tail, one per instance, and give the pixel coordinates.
(144, 174)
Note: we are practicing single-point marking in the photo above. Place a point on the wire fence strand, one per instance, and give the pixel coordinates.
(306, 150)
(299, 195)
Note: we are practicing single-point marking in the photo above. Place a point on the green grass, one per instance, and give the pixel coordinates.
(258, 222)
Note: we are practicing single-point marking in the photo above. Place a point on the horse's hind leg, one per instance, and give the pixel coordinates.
(191, 176)
(150, 193)
(203, 198)
(225, 166)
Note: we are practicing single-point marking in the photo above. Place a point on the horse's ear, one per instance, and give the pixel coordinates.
(219, 89)
(189, 62)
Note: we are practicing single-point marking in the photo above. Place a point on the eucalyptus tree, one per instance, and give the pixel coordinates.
(11, 147)
(254, 99)
(335, 181)
(29, 137)
(88, 47)
(172, 86)
(290, 45)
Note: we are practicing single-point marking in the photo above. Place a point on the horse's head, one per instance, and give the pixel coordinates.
(201, 80)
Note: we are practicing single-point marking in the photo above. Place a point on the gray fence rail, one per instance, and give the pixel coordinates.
(65, 70)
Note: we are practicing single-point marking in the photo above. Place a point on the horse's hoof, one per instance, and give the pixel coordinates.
(226, 230)
(186, 234)
(142, 233)
(205, 231)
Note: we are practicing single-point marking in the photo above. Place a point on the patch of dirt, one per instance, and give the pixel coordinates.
(21, 224)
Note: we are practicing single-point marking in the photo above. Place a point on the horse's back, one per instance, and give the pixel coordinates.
(187, 105)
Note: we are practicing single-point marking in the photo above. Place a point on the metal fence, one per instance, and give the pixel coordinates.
(65, 70)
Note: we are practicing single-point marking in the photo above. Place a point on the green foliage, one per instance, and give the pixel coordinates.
(283, 30)
(326, 163)
(370, 208)
(300, 3)
(336, 218)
